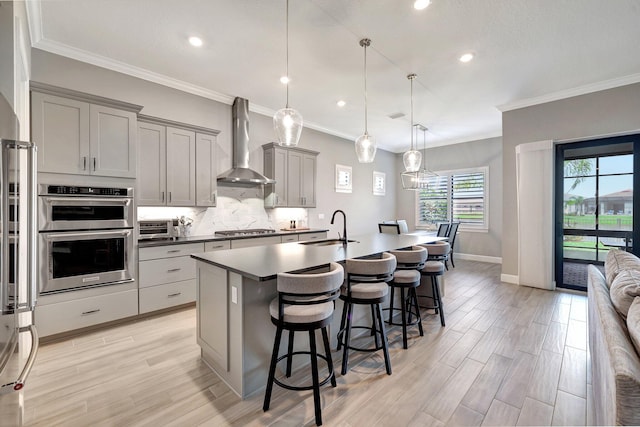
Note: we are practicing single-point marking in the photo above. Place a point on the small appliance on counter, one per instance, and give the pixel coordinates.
(157, 229)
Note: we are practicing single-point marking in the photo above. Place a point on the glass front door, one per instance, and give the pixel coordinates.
(594, 205)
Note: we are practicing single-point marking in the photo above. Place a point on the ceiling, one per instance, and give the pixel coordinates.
(526, 52)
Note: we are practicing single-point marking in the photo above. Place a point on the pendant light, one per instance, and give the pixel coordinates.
(365, 143)
(413, 157)
(425, 176)
(410, 179)
(287, 122)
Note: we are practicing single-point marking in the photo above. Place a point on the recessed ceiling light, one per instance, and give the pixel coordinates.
(341, 103)
(284, 80)
(421, 4)
(195, 41)
(466, 57)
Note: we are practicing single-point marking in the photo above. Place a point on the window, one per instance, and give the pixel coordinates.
(459, 196)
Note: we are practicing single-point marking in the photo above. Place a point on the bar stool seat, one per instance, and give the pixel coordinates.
(305, 302)
(367, 291)
(407, 278)
(433, 267)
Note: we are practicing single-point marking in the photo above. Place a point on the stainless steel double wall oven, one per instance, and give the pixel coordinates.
(86, 236)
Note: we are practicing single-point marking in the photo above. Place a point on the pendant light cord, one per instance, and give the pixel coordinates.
(365, 43)
(287, 67)
(411, 77)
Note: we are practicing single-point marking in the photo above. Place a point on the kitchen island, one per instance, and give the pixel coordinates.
(235, 287)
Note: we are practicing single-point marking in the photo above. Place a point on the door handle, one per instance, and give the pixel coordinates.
(18, 384)
(173, 270)
(84, 163)
(84, 313)
(94, 164)
(174, 295)
(169, 196)
(162, 196)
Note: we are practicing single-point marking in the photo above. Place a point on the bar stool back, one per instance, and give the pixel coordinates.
(407, 279)
(366, 284)
(305, 302)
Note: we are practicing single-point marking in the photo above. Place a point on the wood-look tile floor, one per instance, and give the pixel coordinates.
(509, 355)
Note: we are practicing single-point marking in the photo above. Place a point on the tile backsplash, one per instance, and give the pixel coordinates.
(237, 208)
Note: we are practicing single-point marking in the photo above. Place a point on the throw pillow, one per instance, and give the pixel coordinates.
(624, 289)
(633, 323)
(618, 261)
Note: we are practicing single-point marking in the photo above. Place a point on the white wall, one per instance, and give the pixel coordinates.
(598, 114)
(363, 209)
(486, 152)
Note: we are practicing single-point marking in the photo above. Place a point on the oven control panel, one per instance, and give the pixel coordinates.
(71, 190)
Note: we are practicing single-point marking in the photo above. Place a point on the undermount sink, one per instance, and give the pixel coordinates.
(327, 242)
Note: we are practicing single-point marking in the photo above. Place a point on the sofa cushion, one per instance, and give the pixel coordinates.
(618, 261)
(633, 323)
(624, 289)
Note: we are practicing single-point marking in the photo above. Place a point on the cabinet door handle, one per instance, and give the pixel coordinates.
(84, 313)
(174, 295)
(169, 196)
(173, 270)
(217, 247)
(162, 196)
(84, 163)
(277, 201)
(213, 198)
(94, 164)
(173, 251)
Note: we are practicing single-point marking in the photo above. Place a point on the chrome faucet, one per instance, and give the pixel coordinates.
(344, 229)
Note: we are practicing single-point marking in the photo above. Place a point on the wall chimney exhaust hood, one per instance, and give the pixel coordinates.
(240, 173)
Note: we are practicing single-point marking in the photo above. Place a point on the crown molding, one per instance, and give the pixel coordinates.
(569, 93)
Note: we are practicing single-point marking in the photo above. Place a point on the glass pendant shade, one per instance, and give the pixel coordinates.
(410, 180)
(412, 160)
(287, 124)
(366, 148)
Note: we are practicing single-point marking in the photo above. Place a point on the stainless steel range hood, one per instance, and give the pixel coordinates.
(240, 173)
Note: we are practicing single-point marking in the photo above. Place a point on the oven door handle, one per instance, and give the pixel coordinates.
(86, 235)
(80, 200)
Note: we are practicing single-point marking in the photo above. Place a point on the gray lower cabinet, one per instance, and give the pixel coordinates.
(167, 276)
(69, 311)
(76, 134)
(294, 170)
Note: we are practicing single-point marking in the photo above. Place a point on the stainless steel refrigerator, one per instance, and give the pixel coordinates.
(18, 266)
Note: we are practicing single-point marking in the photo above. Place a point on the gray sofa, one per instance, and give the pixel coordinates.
(614, 358)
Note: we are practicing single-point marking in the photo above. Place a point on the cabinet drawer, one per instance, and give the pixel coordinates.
(66, 316)
(290, 238)
(313, 236)
(166, 270)
(167, 251)
(255, 241)
(217, 245)
(169, 295)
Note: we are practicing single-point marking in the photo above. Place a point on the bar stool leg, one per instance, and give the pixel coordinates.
(327, 351)
(347, 339)
(374, 330)
(413, 300)
(272, 369)
(437, 290)
(404, 319)
(289, 354)
(342, 324)
(385, 345)
(391, 305)
(314, 375)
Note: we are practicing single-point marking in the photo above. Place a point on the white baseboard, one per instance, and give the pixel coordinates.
(510, 278)
(481, 258)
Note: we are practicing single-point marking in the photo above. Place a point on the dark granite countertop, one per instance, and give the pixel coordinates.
(211, 238)
(265, 262)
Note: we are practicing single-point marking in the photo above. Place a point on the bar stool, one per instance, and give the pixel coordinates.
(434, 267)
(305, 302)
(366, 284)
(407, 278)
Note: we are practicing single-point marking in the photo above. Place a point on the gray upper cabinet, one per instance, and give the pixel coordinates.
(83, 134)
(177, 164)
(275, 167)
(206, 170)
(294, 170)
(152, 170)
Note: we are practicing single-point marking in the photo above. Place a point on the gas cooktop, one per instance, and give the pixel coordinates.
(247, 232)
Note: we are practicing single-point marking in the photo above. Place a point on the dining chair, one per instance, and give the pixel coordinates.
(404, 228)
(389, 228)
(443, 229)
(451, 234)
